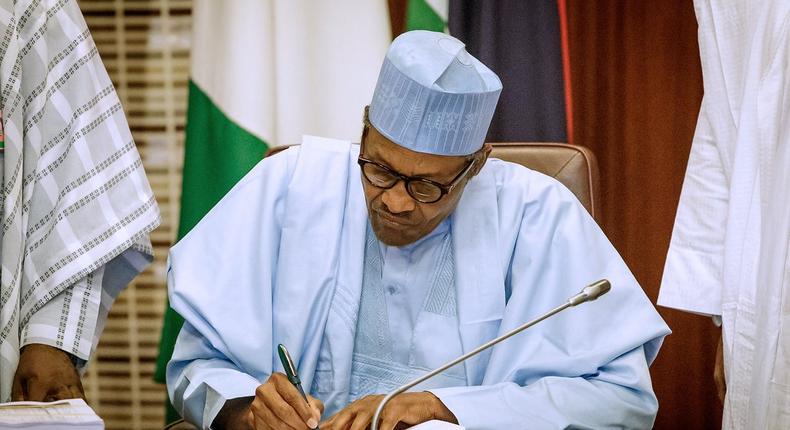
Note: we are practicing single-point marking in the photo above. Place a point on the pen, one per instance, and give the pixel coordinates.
(290, 371)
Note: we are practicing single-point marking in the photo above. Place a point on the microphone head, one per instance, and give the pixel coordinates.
(591, 292)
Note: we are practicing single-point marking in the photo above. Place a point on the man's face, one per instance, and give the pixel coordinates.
(396, 217)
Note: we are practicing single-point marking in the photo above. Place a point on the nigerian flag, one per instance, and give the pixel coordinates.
(263, 74)
(427, 15)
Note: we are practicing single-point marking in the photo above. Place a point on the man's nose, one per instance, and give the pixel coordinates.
(397, 199)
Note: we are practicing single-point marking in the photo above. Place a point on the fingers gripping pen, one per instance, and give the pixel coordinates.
(290, 371)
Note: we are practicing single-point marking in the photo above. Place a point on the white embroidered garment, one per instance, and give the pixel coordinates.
(77, 208)
(729, 250)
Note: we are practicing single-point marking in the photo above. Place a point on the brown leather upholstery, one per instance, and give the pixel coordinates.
(180, 425)
(574, 166)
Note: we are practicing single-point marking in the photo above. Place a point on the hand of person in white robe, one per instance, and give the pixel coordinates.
(45, 374)
(278, 405)
(407, 408)
(718, 371)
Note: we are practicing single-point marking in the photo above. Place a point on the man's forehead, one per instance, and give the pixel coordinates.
(409, 162)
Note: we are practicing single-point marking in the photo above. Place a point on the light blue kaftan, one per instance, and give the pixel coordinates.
(280, 260)
(407, 302)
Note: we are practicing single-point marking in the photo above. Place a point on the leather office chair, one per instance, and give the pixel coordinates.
(574, 166)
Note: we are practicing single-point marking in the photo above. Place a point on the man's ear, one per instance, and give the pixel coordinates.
(481, 156)
(487, 148)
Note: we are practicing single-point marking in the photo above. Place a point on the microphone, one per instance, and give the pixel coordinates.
(587, 294)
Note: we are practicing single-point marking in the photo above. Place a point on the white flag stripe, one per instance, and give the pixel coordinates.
(283, 69)
(441, 7)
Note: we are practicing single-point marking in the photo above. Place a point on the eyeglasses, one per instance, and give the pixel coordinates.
(420, 189)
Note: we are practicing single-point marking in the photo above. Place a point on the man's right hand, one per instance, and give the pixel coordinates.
(278, 405)
(718, 371)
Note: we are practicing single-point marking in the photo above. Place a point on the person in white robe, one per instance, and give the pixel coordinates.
(728, 256)
(76, 206)
(374, 263)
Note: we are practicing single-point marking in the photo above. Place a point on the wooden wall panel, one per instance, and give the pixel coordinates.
(145, 47)
(637, 86)
(397, 10)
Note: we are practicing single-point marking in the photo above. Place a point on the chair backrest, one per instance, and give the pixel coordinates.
(180, 425)
(574, 166)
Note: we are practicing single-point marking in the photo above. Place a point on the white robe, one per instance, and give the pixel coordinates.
(729, 250)
(280, 259)
(77, 208)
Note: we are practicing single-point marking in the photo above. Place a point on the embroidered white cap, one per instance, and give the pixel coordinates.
(432, 96)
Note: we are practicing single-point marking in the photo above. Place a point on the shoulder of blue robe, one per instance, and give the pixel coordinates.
(550, 248)
(227, 264)
(527, 245)
(223, 276)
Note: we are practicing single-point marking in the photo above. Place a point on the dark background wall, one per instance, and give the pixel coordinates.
(637, 86)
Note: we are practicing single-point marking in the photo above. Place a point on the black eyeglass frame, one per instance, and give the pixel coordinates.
(407, 180)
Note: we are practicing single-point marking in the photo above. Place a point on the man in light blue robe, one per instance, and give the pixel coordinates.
(373, 263)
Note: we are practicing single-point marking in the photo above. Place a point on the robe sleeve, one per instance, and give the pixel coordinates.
(692, 278)
(200, 378)
(586, 367)
(220, 278)
(74, 320)
(62, 321)
(620, 395)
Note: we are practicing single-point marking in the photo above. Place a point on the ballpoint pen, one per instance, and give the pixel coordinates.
(290, 371)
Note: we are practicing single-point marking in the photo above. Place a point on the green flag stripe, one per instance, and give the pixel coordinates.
(217, 153)
(421, 16)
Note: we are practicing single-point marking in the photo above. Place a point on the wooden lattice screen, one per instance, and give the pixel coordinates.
(145, 47)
